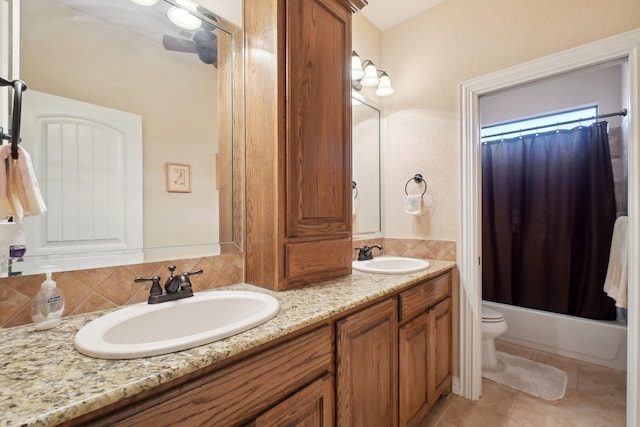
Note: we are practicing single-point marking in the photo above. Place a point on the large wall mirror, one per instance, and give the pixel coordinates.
(366, 186)
(131, 118)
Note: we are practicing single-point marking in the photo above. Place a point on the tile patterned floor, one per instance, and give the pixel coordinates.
(595, 397)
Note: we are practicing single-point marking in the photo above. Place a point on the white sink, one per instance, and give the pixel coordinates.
(391, 265)
(143, 330)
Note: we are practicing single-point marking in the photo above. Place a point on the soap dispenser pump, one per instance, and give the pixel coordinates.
(48, 305)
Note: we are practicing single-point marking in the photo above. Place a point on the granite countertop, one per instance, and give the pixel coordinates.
(44, 381)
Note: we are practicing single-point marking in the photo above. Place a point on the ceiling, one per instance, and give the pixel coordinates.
(386, 14)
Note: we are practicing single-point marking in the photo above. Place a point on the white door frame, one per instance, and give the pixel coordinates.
(625, 45)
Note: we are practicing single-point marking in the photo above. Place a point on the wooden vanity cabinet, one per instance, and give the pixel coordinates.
(382, 364)
(295, 376)
(424, 348)
(298, 141)
(393, 359)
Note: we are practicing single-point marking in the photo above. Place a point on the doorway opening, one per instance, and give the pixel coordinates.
(625, 46)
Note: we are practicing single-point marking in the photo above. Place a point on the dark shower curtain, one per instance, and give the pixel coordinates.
(548, 209)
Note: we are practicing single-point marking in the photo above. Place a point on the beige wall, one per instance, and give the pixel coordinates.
(366, 39)
(429, 56)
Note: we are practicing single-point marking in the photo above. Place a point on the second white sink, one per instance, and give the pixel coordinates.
(391, 265)
(143, 330)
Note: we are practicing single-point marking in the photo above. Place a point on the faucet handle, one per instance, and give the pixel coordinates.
(185, 283)
(191, 273)
(156, 289)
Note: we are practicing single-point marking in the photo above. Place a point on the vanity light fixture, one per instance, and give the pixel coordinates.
(365, 74)
(182, 18)
(145, 2)
(188, 4)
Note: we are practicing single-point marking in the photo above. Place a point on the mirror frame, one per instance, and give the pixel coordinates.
(368, 103)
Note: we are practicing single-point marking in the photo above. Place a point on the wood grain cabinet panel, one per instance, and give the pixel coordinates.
(419, 298)
(312, 406)
(413, 373)
(318, 163)
(366, 371)
(441, 319)
(424, 348)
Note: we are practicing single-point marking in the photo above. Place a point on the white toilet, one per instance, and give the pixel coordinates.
(493, 325)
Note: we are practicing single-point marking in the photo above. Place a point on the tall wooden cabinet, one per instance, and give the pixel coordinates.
(298, 140)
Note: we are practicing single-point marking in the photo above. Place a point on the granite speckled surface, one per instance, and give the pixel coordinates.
(45, 381)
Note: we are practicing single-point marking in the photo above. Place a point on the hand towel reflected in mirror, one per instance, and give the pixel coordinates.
(19, 186)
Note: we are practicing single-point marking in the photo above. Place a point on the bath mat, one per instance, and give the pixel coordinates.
(528, 376)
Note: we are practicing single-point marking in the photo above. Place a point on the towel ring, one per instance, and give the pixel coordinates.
(418, 179)
(354, 186)
(19, 86)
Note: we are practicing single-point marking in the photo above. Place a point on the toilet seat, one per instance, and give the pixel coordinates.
(491, 316)
(493, 325)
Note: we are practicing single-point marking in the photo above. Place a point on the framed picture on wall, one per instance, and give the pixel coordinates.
(178, 177)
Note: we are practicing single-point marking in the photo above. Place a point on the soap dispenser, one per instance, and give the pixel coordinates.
(48, 305)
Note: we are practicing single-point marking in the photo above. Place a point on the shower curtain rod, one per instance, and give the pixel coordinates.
(622, 113)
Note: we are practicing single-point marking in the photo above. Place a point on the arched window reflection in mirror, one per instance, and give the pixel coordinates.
(176, 90)
(366, 167)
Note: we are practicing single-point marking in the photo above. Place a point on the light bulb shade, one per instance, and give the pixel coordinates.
(370, 78)
(356, 67)
(384, 87)
(188, 4)
(183, 19)
(145, 2)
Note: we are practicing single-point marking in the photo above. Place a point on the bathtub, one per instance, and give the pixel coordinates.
(600, 342)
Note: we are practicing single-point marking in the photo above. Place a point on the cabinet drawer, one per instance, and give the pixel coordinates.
(311, 261)
(417, 299)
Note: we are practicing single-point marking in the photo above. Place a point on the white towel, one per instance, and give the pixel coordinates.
(615, 283)
(354, 204)
(413, 205)
(19, 185)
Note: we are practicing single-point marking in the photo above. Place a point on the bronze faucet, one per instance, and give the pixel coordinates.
(176, 287)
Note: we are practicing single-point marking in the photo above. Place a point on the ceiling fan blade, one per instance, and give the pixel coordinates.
(178, 44)
(207, 47)
(209, 57)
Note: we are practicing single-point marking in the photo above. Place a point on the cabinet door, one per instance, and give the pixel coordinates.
(366, 371)
(424, 362)
(318, 152)
(310, 407)
(413, 369)
(441, 321)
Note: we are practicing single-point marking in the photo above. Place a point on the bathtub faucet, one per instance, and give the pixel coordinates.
(364, 253)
